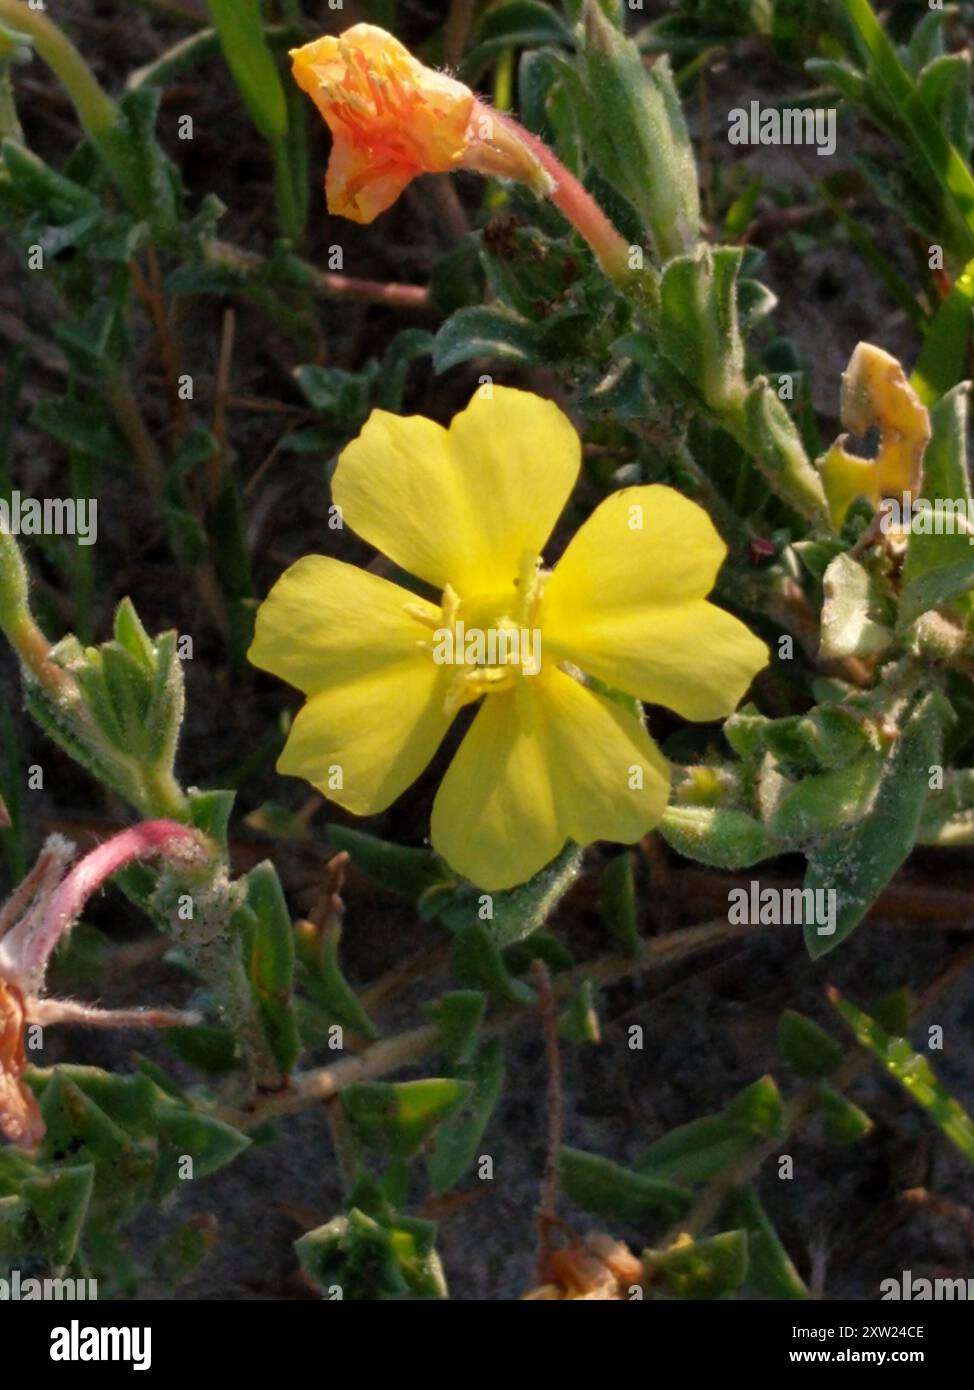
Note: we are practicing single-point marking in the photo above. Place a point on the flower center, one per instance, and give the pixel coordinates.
(489, 644)
(372, 95)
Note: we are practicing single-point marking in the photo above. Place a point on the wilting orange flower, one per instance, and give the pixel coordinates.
(39, 914)
(393, 118)
(20, 1117)
(593, 1269)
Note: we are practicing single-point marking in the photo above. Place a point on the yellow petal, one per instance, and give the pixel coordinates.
(548, 762)
(358, 186)
(327, 623)
(461, 506)
(376, 714)
(626, 604)
(493, 819)
(876, 393)
(845, 477)
(364, 742)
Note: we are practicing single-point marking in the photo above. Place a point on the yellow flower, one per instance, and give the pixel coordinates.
(547, 757)
(876, 394)
(392, 118)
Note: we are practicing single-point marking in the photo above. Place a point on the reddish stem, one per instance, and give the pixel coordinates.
(32, 946)
(577, 205)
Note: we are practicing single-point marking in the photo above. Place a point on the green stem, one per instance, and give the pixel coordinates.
(164, 797)
(130, 420)
(99, 116)
(288, 205)
(95, 108)
(10, 128)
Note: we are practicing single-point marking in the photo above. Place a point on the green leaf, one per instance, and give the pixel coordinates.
(819, 805)
(144, 174)
(128, 1101)
(718, 836)
(698, 1151)
(540, 945)
(759, 1109)
(938, 567)
(326, 983)
(339, 396)
(271, 963)
(944, 86)
(15, 1232)
(808, 1049)
(210, 812)
(617, 899)
(638, 135)
(81, 425)
(928, 141)
(926, 41)
(241, 29)
(59, 1201)
(764, 427)
(913, 1072)
(476, 961)
(698, 324)
(894, 1011)
(182, 1133)
(397, 1118)
(710, 1268)
(77, 1127)
(858, 861)
(357, 1257)
(457, 1016)
(606, 1189)
(849, 627)
(943, 359)
(454, 1146)
(936, 588)
(484, 332)
(132, 636)
(210, 1050)
(517, 24)
(578, 1021)
(827, 738)
(43, 187)
(769, 1269)
(845, 1122)
(408, 872)
(514, 915)
(407, 347)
